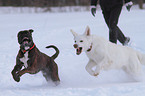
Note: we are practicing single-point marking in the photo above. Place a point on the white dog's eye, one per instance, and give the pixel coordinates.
(81, 41)
(75, 41)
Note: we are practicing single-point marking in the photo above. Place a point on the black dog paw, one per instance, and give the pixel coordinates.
(16, 77)
(56, 83)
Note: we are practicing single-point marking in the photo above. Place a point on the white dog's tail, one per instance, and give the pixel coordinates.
(141, 58)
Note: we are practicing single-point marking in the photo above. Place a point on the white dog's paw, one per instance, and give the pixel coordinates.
(96, 74)
(91, 73)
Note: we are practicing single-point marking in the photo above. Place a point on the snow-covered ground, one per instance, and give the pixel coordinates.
(54, 28)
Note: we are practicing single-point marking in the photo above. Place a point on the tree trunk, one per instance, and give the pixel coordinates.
(140, 2)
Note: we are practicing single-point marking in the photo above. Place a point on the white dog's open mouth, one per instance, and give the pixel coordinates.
(78, 50)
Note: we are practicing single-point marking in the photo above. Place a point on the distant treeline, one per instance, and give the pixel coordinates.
(44, 3)
(49, 3)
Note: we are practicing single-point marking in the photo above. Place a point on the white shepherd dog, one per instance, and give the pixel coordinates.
(104, 55)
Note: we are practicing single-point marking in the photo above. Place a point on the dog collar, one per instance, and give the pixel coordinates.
(90, 48)
(29, 49)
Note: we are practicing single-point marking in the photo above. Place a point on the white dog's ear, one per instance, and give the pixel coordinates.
(74, 33)
(87, 32)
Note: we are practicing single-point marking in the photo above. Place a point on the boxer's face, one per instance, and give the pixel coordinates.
(25, 39)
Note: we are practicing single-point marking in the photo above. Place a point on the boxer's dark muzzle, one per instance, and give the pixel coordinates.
(26, 41)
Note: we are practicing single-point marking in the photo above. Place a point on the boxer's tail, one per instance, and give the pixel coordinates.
(56, 49)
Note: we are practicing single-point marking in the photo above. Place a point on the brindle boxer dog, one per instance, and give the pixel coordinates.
(33, 60)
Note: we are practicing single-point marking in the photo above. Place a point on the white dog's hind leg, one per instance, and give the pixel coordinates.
(134, 70)
(89, 67)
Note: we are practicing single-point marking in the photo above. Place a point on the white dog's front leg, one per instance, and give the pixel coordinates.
(99, 67)
(89, 67)
(97, 70)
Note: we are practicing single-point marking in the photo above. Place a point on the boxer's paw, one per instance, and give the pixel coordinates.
(57, 83)
(16, 77)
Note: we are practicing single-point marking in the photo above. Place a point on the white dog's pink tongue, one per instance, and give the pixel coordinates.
(78, 51)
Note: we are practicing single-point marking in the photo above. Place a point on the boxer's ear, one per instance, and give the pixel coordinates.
(31, 30)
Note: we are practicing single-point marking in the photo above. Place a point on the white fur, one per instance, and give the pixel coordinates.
(25, 59)
(129, 3)
(105, 55)
(26, 48)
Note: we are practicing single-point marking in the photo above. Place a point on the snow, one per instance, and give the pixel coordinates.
(54, 28)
